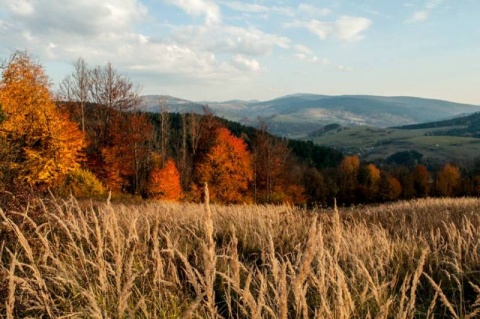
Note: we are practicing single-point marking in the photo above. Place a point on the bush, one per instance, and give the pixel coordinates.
(81, 183)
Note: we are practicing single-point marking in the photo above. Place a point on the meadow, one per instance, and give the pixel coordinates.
(383, 142)
(80, 259)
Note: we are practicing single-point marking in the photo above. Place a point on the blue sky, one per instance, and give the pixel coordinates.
(207, 50)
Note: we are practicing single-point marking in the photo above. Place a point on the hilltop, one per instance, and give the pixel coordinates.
(298, 115)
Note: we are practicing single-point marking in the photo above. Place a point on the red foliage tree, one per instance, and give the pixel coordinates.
(227, 168)
(125, 157)
(164, 183)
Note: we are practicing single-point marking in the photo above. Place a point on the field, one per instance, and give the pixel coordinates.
(69, 259)
(382, 142)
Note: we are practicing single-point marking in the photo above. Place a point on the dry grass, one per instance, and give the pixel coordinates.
(418, 259)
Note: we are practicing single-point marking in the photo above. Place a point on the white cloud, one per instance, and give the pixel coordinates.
(107, 30)
(230, 39)
(418, 16)
(101, 31)
(20, 7)
(350, 28)
(432, 4)
(78, 17)
(313, 10)
(245, 7)
(305, 54)
(302, 49)
(312, 59)
(422, 15)
(345, 28)
(208, 8)
(242, 63)
(345, 68)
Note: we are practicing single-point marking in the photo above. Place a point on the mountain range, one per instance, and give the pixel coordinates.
(299, 115)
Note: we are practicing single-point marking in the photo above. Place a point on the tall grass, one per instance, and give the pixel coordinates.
(65, 259)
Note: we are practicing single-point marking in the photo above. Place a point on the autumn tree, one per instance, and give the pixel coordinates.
(164, 182)
(316, 188)
(118, 136)
(389, 188)
(46, 144)
(448, 180)
(227, 168)
(275, 179)
(368, 179)
(348, 175)
(421, 181)
(126, 158)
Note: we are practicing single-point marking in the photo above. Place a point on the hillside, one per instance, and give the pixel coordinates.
(298, 115)
(467, 126)
(377, 143)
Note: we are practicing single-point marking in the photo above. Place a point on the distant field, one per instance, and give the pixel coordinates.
(416, 259)
(374, 143)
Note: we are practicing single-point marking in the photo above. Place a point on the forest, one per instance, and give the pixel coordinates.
(91, 138)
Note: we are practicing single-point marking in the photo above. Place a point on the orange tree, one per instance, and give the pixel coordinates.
(448, 180)
(164, 183)
(125, 159)
(46, 144)
(227, 168)
(347, 178)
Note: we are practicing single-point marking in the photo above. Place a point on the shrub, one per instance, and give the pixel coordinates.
(81, 183)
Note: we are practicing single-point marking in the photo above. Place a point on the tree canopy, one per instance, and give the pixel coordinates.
(45, 143)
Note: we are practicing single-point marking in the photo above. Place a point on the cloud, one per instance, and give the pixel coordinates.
(245, 7)
(313, 10)
(82, 17)
(312, 59)
(345, 28)
(242, 63)
(418, 16)
(305, 54)
(230, 39)
(345, 68)
(100, 31)
(422, 15)
(302, 49)
(208, 8)
(108, 30)
(20, 7)
(349, 28)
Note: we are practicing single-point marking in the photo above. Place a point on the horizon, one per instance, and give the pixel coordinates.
(300, 94)
(221, 50)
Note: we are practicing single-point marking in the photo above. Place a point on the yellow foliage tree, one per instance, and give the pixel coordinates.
(47, 144)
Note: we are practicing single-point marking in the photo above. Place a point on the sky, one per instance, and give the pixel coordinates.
(217, 50)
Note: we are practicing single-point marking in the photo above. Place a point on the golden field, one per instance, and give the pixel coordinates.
(70, 259)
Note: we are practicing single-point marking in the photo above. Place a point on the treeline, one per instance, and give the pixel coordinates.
(94, 139)
(466, 126)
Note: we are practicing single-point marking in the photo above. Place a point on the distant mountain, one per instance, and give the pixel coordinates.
(153, 103)
(299, 114)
